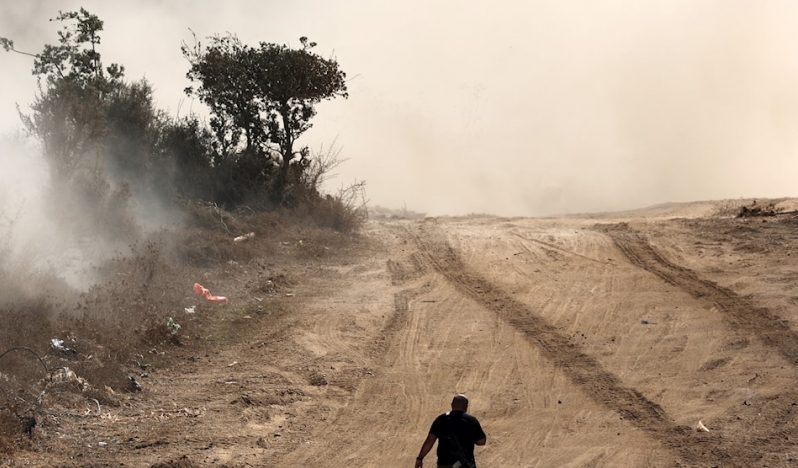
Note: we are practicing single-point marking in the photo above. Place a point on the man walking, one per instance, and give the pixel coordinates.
(456, 432)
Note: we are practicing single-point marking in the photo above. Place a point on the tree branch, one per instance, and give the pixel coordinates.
(8, 45)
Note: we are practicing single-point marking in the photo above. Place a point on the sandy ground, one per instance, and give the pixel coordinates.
(584, 341)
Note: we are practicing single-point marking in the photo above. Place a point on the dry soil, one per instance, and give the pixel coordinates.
(583, 341)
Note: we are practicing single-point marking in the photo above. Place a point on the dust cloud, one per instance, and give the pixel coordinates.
(508, 108)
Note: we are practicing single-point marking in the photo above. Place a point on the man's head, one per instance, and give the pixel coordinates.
(460, 402)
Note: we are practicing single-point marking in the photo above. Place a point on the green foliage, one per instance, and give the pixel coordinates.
(107, 144)
(172, 326)
(75, 57)
(70, 113)
(68, 120)
(96, 131)
(226, 71)
(184, 161)
(132, 131)
(6, 44)
(262, 100)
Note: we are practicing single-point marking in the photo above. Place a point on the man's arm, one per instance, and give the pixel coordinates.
(480, 436)
(429, 442)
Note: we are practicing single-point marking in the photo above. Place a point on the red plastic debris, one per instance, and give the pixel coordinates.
(199, 289)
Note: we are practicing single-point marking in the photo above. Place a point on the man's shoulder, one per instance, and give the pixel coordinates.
(440, 424)
(470, 416)
(455, 416)
(442, 416)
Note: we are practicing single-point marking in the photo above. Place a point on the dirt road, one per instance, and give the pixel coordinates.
(581, 342)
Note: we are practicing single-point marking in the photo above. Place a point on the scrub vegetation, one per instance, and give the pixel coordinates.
(151, 203)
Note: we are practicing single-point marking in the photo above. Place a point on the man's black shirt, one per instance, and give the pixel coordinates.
(464, 427)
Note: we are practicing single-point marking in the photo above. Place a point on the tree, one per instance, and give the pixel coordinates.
(75, 58)
(96, 130)
(68, 115)
(263, 98)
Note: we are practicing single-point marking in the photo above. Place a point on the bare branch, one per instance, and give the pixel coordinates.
(22, 348)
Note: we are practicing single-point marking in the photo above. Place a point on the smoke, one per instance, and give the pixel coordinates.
(43, 233)
(29, 240)
(595, 106)
(509, 108)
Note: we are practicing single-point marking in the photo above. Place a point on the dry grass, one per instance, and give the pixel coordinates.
(111, 327)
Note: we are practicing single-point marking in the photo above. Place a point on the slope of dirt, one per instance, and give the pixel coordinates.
(595, 341)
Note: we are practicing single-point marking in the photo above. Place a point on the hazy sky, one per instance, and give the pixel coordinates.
(507, 107)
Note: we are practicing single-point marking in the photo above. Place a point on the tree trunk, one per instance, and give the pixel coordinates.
(286, 148)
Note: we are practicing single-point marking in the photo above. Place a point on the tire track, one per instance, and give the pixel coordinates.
(740, 313)
(547, 245)
(601, 385)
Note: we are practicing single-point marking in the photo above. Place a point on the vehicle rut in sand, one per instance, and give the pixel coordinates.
(601, 385)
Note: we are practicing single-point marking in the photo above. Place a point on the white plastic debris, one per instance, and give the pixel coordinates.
(244, 237)
(66, 375)
(58, 345)
(133, 384)
(701, 427)
(190, 310)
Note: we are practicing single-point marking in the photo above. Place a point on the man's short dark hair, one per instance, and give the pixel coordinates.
(460, 400)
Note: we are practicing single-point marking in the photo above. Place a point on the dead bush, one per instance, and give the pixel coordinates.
(315, 243)
(199, 214)
(205, 248)
(727, 208)
(319, 170)
(27, 323)
(209, 236)
(11, 430)
(345, 212)
(753, 210)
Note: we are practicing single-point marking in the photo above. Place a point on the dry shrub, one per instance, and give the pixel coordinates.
(206, 248)
(22, 286)
(309, 230)
(11, 430)
(754, 210)
(106, 325)
(345, 212)
(100, 366)
(113, 323)
(23, 376)
(90, 208)
(742, 208)
(27, 323)
(209, 233)
(138, 288)
(20, 282)
(727, 208)
(204, 215)
(308, 248)
(315, 242)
